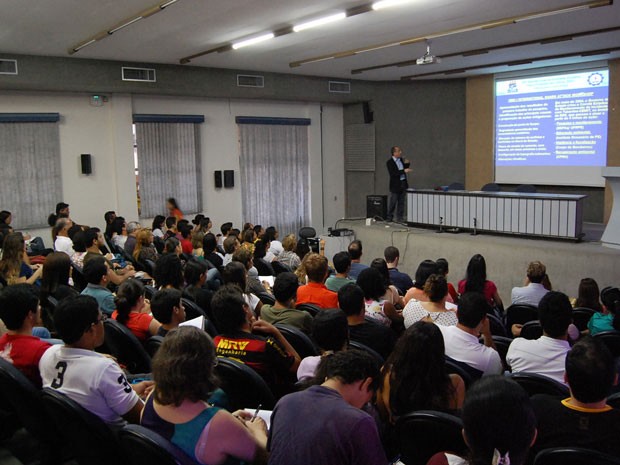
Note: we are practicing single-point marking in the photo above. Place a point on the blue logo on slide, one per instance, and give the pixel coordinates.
(595, 79)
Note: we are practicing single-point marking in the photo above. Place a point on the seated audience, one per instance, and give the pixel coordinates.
(415, 376)
(588, 295)
(60, 232)
(119, 229)
(230, 244)
(261, 263)
(547, 354)
(144, 248)
(225, 230)
(94, 241)
(461, 341)
(284, 311)
(355, 251)
(169, 272)
(171, 228)
(13, 268)
(235, 273)
(443, 268)
(20, 312)
(243, 255)
(288, 256)
(342, 264)
(476, 281)
(377, 308)
(79, 248)
(195, 274)
(172, 246)
(209, 245)
(499, 425)
(608, 319)
(425, 269)
(158, 226)
(374, 335)
(315, 291)
(96, 274)
(181, 407)
(256, 343)
(130, 243)
(436, 309)
(93, 380)
(134, 311)
(533, 290)
(330, 332)
(62, 211)
(55, 281)
(402, 281)
(198, 250)
(391, 292)
(168, 310)
(584, 419)
(185, 236)
(276, 247)
(325, 424)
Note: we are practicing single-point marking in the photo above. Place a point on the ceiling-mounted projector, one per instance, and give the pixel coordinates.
(428, 58)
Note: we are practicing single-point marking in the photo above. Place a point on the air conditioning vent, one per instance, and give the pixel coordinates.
(138, 74)
(247, 80)
(340, 87)
(8, 66)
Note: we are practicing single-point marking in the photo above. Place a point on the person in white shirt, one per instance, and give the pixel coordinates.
(62, 242)
(94, 381)
(272, 234)
(533, 290)
(547, 354)
(462, 342)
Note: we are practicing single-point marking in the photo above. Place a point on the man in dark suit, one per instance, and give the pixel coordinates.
(398, 169)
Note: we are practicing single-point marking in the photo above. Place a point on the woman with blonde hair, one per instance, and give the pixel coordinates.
(13, 268)
(144, 250)
(288, 256)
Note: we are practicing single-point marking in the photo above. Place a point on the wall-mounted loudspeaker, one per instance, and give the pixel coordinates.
(86, 163)
(218, 178)
(229, 178)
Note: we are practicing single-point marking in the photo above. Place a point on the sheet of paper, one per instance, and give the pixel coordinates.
(264, 414)
(198, 322)
(269, 279)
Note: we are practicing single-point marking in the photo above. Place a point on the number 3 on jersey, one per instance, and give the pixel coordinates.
(61, 367)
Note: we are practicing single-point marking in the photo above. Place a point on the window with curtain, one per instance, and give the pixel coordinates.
(274, 172)
(30, 174)
(168, 157)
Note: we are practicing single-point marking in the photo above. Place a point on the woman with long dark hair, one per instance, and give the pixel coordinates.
(377, 308)
(476, 281)
(588, 295)
(608, 318)
(425, 269)
(159, 223)
(435, 309)
(133, 310)
(415, 375)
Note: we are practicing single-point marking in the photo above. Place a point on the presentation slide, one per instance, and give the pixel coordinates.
(552, 129)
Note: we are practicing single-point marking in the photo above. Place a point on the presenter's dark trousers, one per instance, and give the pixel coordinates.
(396, 202)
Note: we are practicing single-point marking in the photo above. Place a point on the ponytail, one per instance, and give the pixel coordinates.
(127, 296)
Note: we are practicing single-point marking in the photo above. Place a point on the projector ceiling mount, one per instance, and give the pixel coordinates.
(428, 58)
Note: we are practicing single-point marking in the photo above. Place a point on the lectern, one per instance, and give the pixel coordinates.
(611, 236)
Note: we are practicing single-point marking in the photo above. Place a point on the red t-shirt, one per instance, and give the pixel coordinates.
(318, 294)
(186, 245)
(138, 324)
(489, 290)
(24, 352)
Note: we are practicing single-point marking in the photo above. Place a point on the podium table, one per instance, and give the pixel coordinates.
(546, 215)
(611, 236)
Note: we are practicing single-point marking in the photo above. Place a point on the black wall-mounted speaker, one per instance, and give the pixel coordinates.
(229, 178)
(218, 178)
(86, 163)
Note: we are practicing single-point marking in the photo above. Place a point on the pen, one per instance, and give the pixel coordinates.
(256, 412)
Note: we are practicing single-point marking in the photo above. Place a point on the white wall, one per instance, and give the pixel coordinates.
(105, 133)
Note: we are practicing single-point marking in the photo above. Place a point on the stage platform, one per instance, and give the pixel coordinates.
(507, 257)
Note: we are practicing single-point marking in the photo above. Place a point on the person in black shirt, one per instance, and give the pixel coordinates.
(377, 337)
(209, 245)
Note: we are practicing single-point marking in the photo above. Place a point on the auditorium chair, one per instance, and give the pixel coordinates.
(149, 291)
(79, 281)
(90, 440)
(421, 434)
(581, 317)
(531, 330)
(126, 347)
(574, 456)
(519, 314)
(280, 267)
(310, 308)
(502, 344)
(300, 341)
(490, 187)
(538, 384)
(153, 344)
(496, 325)
(193, 310)
(266, 298)
(146, 447)
(468, 373)
(363, 347)
(612, 340)
(243, 386)
(20, 398)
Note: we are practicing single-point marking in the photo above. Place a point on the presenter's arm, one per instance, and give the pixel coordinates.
(406, 165)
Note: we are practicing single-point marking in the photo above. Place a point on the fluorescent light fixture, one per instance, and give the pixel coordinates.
(320, 21)
(253, 40)
(168, 3)
(85, 44)
(388, 3)
(125, 24)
